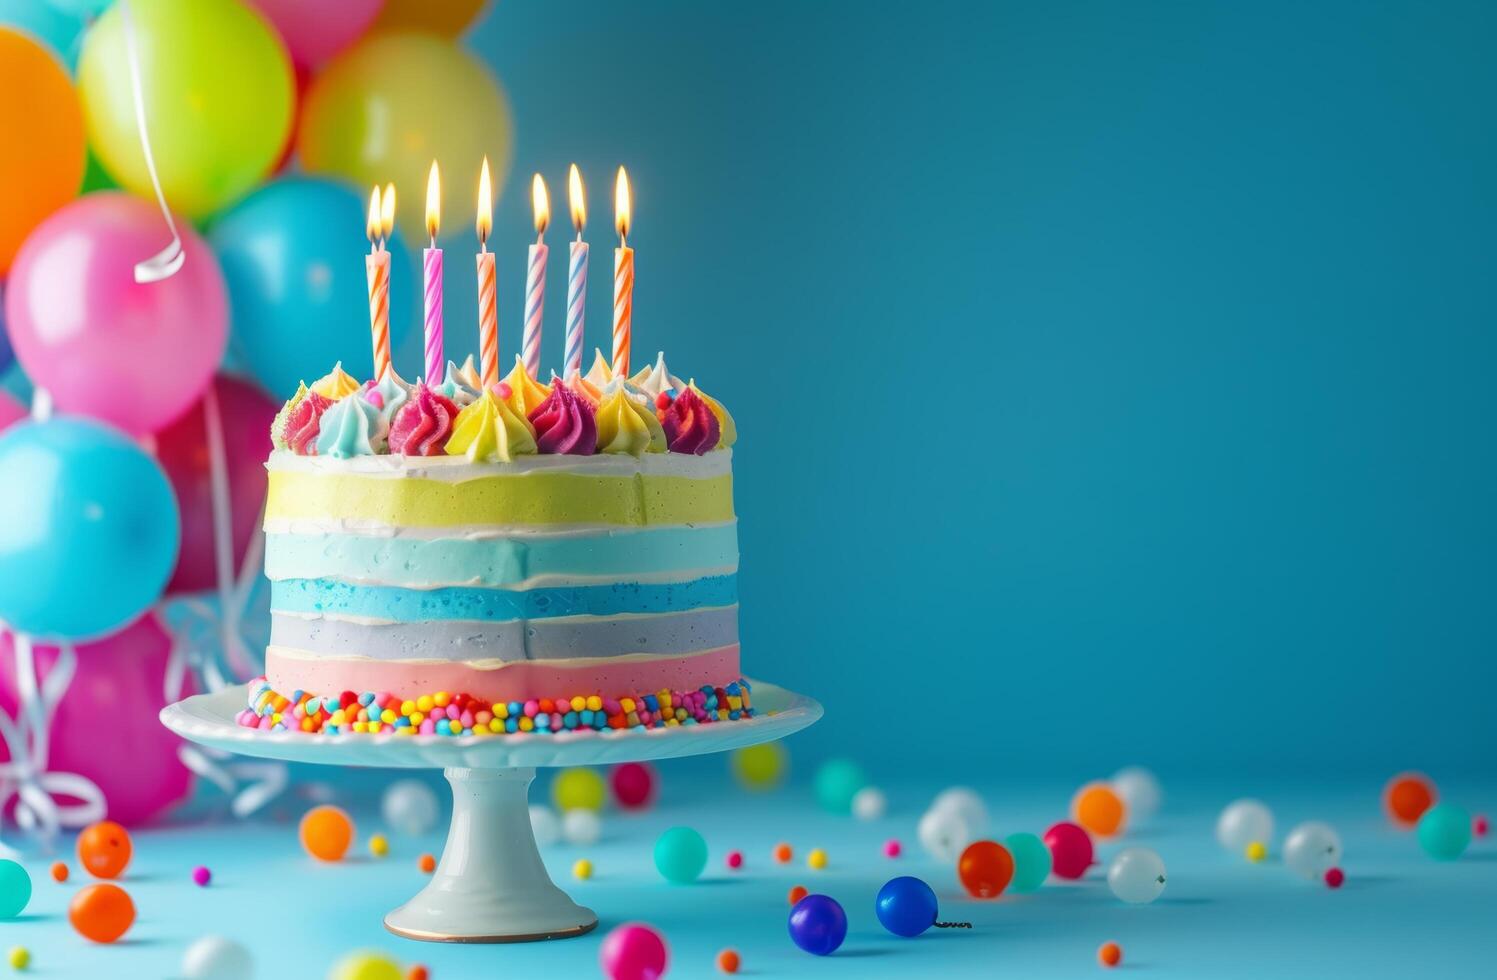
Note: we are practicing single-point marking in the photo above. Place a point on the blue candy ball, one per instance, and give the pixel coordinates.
(1031, 862)
(15, 889)
(1444, 831)
(837, 782)
(818, 925)
(680, 855)
(906, 906)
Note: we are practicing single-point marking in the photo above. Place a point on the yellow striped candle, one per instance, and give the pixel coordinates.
(623, 278)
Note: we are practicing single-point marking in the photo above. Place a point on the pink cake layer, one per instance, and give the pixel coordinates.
(512, 682)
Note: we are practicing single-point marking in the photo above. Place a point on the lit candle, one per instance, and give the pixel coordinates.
(535, 279)
(431, 258)
(488, 313)
(623, 278)
(576, 277)
(377, 270)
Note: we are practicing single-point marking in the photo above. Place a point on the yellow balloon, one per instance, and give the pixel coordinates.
(447, 17)
(761, 766)
(366, 966)
(388, 107)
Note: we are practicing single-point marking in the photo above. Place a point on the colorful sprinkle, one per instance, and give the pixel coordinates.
(418, 972)
(728, 961)
(201, 876)
(816, 860)
(797, 893)
(1256, 851)
(582, 869)
(892, 848)
(783, 853)
(1335, 877)
(735, 860)
(1110, 955)
(59, 871)
(426, 863)
(379, 845)
(19, 957)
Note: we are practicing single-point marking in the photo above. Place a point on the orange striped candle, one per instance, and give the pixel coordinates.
(377, 271)
(623, 278)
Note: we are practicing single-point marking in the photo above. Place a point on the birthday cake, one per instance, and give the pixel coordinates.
(455, 559)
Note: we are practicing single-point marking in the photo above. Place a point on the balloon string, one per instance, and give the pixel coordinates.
(223, 529)
(166, 262)
(953, 925)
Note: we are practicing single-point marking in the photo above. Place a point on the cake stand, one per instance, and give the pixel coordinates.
(490, 886)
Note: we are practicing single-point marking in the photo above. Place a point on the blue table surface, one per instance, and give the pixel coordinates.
(1399, 913)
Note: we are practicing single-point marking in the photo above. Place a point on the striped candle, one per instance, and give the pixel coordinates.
(488, 312)
(377, 269)
(535, 280)
(623, 278)
(576, 307)
(431, 259)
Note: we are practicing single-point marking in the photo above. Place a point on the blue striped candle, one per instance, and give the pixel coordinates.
(576, 308)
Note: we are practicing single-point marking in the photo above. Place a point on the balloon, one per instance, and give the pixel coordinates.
(760, 767)
(1241, 823)
(633, 951)
(410, 806)
(104, 849)
(545, 825)
(42, 165)
(943, 832)
(967, 804)
(314, 32)
(1097, 808)
(290, 253)
(1444, 831)
(1139, 790)
(61, 32)
(15, 889)
(81, 8)
(1311, 849)
(581, 827)
(7, 353)
(102, 913)
(217, 958)
(118, 678)
(393, 103)
(1407, 796)
(906, 906)
(1070, 850)
(218, 99)
(366, 966)
(326, 831)
(90, 529)
(837, 782)
(985, 869)
(818, 925)
(680, 855)
(133, 354)
(578, 789)
(11, 411)
(1136, 875)
(634, 785)
(869, 803)
(245, 414)
(1031, 862)
(449, 17)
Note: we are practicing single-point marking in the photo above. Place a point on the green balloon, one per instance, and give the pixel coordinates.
(15, 889)
(837, 782)
(1031, 862)
(680, 855)
(1444, 831)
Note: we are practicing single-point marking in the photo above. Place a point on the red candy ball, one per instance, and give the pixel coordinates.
(1335, 877)
(1070, 850)
(1480, 826)
(633, 785)
(735, 859)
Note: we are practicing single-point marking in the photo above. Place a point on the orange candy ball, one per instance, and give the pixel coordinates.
(102, 912)
(1407, 796)
(728, 961)
(783, 853)
(1110, 955)
(426, 863)
(1098, 809)
(418, 972)
(985, 869)
(326, 832)
(797, 893)
(104, 849)
(59, 871)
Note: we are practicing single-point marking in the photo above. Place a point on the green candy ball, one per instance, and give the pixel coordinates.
(1444, 831)
(837, 782)
(15, 889)
(1031, 862)
(680, 855)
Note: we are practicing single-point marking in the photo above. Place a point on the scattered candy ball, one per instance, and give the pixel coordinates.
(326, 831)
(728, 961)
(782, 853)
(943, 833)
(1110, 955)
(217, 958)
(59, 871)
(1070, 850)
(966, 804)
(1031, 862)
(985, 869)
(201, 876)
(581, 827)
(1241, 822)
(15, 889)
(906, 906)
(734, 860)
(1311, 849)
(379, 845)
(1139, 790)
(1479, 825)
(760, 767)
(798, 892)
(427, 863)
(818, 925)
(1099, 810)
(816, 860)
(633, 951)
(578, 788)
(1407, 796)
(1444, 831)
(633, 785)
(1136, 875)
(837, 782)
(410, 807)
(418, 972)
(104, 849)
(19, 957)
(101, 912)
(582, 869)
(1335, 877)
(366, 966)
(544, 825)
(892, 848)
(1256, 851)
(869, 803)
(680, 855)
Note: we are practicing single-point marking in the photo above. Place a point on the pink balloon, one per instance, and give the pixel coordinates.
(1070, 850)
(10, 411)
(314, 32)
(105, 726)
(245, 414)
(633, 951)
(133, 354)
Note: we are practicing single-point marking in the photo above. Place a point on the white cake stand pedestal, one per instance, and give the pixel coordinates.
(490, 886)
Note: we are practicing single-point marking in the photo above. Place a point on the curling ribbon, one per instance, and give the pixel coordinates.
(166, 262)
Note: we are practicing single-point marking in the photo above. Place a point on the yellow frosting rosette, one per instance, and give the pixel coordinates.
(336, 384)
(600, 373)
(489, 431)
(626, 426)
(724, 420)
(525, 393)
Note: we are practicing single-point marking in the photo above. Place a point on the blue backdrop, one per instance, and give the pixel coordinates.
(1113, 378)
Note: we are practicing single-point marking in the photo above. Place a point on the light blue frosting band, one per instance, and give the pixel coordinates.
(351, 427)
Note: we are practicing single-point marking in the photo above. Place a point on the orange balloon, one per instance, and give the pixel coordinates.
(1099, 809)
(1407, 796)
(104, 849)
(985, 869)
(448, 17)
(326, 832)
(102, 913)
(42, 165)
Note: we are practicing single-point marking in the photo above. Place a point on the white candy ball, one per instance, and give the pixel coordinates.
(1312, 849)
(544, 825)
(217, 958)
(944, 834)
(410, 807)
(1139, 790)
(581, 827)
(1241, 823)
(870, 803)
(967, 805)
(1136, 875)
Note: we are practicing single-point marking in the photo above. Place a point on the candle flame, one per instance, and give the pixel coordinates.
(433, 202)
(577, 199)
(621, 204)
(485, 204)
(541, 202)
(371, 227)
(387, 212)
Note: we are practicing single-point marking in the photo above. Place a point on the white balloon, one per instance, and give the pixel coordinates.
(1136, 875)
(1139, 790)
(870, 803)
(217, 958)
(1312, 849)
(544, 825)
(581, 826)
(1241, 823)
(967, 805)
(410, 807)
(944, 834)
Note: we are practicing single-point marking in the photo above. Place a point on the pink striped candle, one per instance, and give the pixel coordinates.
(431, 260)
(377, 270)
(535, 279)
(488, 312)
(623, 278)
(576, 278)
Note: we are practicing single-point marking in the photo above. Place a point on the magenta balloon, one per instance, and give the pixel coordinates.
(314, 32)
(132, 757)
(10, 411)
(133, 354)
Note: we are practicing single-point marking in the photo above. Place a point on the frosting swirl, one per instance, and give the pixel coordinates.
(600, 373)
(336, 384)
(657, 378)
(388, 394)
(455, 387)
(352, 427)
(278, 424)
(303, 423)
(724, 420)
(690, 426)
(489, 431)
(525, 393)
(627, 426)
(423, 424)
(564, 423)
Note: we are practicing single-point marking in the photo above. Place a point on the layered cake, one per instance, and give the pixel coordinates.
(529, 557)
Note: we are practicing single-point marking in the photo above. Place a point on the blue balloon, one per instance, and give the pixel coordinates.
(90, 531)
(818, 925)
(292, 253)
(906, 906)
(57, 29)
